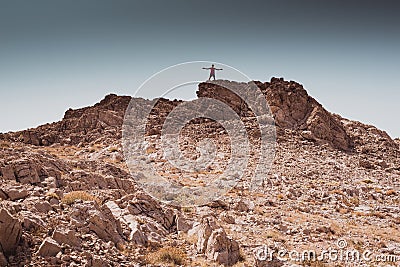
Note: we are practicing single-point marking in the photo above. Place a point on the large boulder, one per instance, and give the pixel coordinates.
(26, 171)
(32, 221)
(10, 232)
(222, 249)
(66, 236)
(214, 243)
(98, 219)
(104, 225)
(145, 205)
(49, 248)
(15, 192)
(144, 221)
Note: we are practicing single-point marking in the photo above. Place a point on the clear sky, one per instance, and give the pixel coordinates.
(60, 54)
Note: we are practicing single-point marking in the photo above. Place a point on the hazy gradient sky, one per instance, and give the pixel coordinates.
(60, 54)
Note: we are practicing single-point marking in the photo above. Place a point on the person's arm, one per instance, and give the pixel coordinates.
(218, 69)
(206, 68)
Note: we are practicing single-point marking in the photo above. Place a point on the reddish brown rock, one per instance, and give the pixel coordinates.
(291, 107)
(10, 232)
(49, 248)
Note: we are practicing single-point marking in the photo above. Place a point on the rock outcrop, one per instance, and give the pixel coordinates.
(81, 125)
(290, 104)
(291, 107)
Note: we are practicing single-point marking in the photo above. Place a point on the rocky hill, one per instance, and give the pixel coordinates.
(68, 199)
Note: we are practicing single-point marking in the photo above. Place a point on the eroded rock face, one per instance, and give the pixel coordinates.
(81, 125)
(368, 139)
(99, 220)
(291, 107)
(10, 232)
(290, 104)
(26, 172)
(29, 167)
(146, 205)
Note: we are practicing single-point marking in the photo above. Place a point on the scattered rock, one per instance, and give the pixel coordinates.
(365, 164)
(325, 230)
(97, 261)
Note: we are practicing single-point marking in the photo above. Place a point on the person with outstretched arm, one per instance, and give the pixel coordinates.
(212, 71)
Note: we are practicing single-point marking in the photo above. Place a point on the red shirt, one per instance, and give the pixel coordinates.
(212, 71)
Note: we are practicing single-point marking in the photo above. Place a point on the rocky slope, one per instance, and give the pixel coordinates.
(68, 199)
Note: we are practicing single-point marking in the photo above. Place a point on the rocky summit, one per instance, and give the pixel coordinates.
(69, 199)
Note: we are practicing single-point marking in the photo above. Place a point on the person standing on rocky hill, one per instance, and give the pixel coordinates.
(212, 71)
